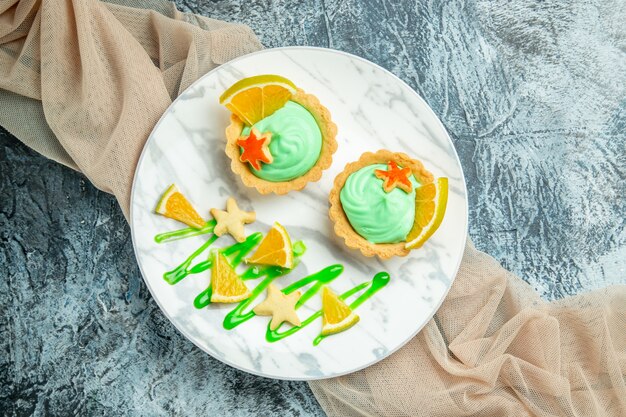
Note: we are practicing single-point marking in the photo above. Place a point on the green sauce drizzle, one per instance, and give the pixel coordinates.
(376, 284)
(379, 281)
(182, 270)
(241, 313)
(184, 233)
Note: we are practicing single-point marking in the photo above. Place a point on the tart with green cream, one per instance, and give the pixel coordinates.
(279, 138)
(387, 204)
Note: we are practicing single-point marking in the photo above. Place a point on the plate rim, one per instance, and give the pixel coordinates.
(235, 365)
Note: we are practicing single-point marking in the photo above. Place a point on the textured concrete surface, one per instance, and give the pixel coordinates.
(534, 96)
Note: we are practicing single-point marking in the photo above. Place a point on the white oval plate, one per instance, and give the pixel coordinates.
(373, 109)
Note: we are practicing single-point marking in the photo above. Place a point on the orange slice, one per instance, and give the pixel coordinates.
(226, 285)
(275, 249)
(174, 204)
(430, 207)
(336, 315)
(255, 98)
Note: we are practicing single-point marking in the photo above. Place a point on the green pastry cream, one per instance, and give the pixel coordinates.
(378, 216)
(296, 143)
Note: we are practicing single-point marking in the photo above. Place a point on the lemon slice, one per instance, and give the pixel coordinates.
(255, 98)
(336, 315)
(430, 207)
(275, 249)
(226, 285)
(174, 204)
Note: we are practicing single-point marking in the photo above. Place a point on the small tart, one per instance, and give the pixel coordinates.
(342, 225)
(329, 146)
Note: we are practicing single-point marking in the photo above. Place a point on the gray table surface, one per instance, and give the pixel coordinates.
(534, 96)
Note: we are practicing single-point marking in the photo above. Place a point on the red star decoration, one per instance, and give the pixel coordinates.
(256, 148)
(395, 177)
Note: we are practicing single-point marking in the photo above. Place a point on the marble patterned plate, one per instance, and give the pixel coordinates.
(373, 109)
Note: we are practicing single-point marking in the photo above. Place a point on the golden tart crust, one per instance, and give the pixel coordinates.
(329, 146)
(342, 226)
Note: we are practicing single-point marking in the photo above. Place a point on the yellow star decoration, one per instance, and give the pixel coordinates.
(280, 306)
(232, 220)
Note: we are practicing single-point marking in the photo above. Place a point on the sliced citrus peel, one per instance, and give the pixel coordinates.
(174, 204)
(254, 98)
(337, 316)
(394, 177)
(430, 207)
(255, 148)
(226, 285)
(274, 249)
